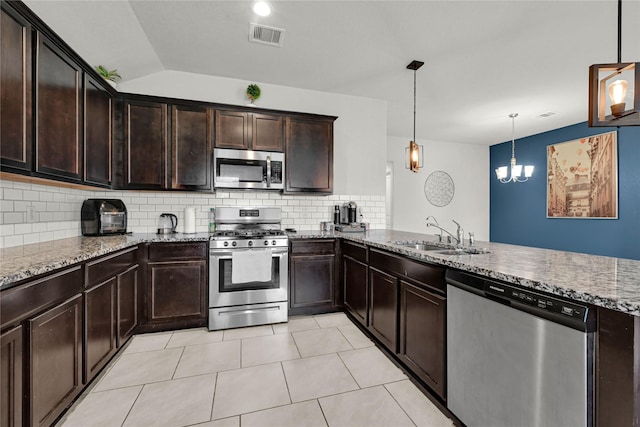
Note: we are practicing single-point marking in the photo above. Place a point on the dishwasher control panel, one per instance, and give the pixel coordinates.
(533, 299)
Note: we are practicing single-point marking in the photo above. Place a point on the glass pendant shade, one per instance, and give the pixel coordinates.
(413, 154)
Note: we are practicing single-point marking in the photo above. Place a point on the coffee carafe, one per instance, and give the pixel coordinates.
(167, 223)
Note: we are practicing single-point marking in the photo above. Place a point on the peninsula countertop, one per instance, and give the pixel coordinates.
(602, 281)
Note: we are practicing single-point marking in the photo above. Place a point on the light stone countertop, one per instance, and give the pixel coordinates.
(603, 281)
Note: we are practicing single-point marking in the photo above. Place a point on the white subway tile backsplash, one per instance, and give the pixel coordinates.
(57, 209)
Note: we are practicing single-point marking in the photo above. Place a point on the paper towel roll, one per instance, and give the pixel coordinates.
(189, 219)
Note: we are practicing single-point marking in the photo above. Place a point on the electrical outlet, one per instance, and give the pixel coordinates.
(31, 214)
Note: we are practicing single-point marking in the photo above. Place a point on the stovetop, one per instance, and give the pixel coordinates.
(246, 234)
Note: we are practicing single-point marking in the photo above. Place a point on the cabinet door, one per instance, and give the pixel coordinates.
(232, 130)
(311, 284)
(191, 147)
(383, 307)
(309, 155)
(15, 91)
(354, 277)
(11, 378)
(422, 334)
(59, 112)
(97, 131)
(100, 327)
(55, 360)
(268, 132)
(145, 145)
(127, 296)
(176, 291)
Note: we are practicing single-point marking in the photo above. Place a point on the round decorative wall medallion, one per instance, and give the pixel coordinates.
(439, 188)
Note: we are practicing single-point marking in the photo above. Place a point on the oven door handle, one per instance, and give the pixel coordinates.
(227, 254)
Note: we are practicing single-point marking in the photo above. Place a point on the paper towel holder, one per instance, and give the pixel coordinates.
(189, 220)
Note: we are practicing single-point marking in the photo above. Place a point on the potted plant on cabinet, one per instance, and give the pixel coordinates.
(111, 76)
(253, 93)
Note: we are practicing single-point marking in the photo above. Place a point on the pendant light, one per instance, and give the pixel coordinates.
(613, 80)
(414, 153)
(516, 170)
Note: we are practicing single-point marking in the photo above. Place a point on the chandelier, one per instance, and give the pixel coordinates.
(516, 170)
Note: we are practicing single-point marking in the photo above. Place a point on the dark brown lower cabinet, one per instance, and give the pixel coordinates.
(55, 360)
(100, 327)
(128, 303)
(312, 276)
(176, 291)
(422, 348)
(354, 277)
(11, 378)
(383, 308)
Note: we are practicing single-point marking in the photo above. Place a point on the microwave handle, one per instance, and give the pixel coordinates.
(268, 171)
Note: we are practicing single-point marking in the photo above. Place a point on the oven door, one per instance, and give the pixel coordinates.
(224, 293)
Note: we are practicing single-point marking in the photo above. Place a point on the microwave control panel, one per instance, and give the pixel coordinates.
(276, 172)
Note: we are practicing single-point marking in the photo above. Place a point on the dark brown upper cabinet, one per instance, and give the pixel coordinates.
(249, 131)
(15, 91)
(145, 145)
(59, 112)
(309, 155)
(267, 132)
(191, 147)
(97, 131)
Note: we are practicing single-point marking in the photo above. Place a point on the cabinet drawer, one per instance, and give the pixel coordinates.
(28, 299)
(427, 275)
(177, 251)
(355, 251)
(109, 266)
(312, 246)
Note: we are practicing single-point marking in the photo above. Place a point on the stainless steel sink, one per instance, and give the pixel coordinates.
(464, 251)
(422, 246)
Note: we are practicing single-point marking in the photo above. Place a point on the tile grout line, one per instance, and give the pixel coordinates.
(124, 420)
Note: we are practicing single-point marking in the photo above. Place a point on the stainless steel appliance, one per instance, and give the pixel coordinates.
(349, 213)
(167, 223)
(248, 169)
(101, 217)
(248, 268)
(516, 357)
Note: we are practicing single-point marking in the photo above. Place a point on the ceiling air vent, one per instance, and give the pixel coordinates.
(266, 35)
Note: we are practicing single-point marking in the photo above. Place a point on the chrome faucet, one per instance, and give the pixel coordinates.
(436, 225)
(441, 237)
(459, 233)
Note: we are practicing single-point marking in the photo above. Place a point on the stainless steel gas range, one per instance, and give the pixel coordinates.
(248, 268)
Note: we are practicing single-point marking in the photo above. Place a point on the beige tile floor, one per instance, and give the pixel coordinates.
(312, 371)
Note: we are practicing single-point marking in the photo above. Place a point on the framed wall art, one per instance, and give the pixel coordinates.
(582, 178)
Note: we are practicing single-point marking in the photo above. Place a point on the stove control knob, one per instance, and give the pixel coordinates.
(273, 242)
(266, 242)
(226, 243)
(233, 243)
(250, 242)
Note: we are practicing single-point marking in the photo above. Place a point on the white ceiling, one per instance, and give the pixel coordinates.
(483, 59)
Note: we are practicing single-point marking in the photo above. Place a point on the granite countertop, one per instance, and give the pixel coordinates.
(22, 262)
(603, 281)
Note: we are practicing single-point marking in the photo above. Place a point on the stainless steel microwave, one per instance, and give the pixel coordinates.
(258, 170)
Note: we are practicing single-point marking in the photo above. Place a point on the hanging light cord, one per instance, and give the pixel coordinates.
(513, 134)
(619, 31)
(414, 106)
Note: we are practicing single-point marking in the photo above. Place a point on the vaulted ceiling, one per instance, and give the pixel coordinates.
(483, 59)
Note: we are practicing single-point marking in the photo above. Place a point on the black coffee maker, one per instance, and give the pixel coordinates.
(349, 213)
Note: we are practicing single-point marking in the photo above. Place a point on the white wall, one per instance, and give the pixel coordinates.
(359, 133)
(468, 166)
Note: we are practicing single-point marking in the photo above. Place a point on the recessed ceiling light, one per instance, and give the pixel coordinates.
(261, 8)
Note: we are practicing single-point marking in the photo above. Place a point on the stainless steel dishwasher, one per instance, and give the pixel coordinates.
(516, 357)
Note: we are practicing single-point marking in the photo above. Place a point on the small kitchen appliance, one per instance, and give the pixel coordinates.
(349, 213)
(167, 223)
(102, 217)
(248, 268)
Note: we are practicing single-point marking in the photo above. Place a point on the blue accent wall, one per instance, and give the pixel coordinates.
(518, 210)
